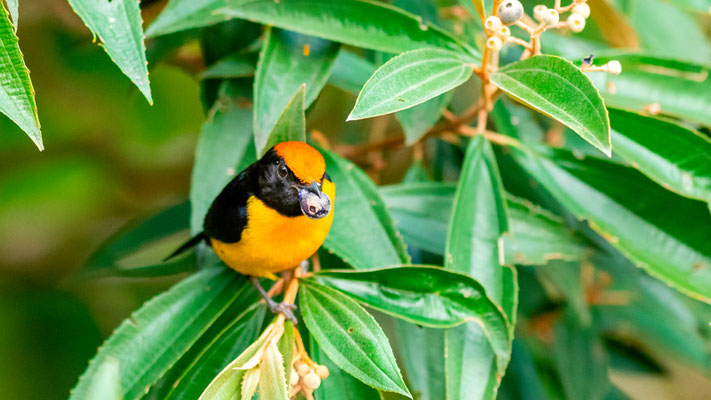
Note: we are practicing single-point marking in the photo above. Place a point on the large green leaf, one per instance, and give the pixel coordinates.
(676, 157)
(478, 221)
(418, 346)
(680, 89)
(633, 214)
(237, 65)
(557, 88)
(17, 96)
(421, 212)
(339, 384)
(409, 79)
(363, 233)
(350, 337)
(287, 61)
(291, 125)
(426, 296)
(117, 23)
(347, 21)
(225, 148)
(148, 343)
(139, 249)
(218, 353)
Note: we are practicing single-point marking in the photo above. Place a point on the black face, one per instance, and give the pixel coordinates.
(282, 191)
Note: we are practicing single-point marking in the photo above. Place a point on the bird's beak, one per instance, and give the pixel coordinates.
(314, 203)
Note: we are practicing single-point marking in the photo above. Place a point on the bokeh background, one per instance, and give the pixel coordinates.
(111, 159)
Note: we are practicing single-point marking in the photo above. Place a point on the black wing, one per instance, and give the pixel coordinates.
(227, 216)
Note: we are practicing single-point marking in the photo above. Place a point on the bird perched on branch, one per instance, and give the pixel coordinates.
(271, 216)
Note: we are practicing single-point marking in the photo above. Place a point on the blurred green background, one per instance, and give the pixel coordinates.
(110, 159)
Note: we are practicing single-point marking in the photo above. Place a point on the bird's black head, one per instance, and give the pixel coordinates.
(289, 180)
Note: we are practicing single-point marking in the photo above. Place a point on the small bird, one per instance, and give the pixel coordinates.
(271, 216)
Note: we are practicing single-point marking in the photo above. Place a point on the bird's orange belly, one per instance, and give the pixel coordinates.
(271, 242)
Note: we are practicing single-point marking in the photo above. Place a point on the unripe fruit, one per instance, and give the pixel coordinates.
(312, 381)
(302, 369)
(576, 23)
(322, 371)
(581, 9)
(614, 67)
(551, 17)
(503, 33)
(294, 378)
(538, 12)
(492, 24)
(494, 43)
(510, 11)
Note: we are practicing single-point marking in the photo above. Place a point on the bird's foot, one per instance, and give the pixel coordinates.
(287, 309)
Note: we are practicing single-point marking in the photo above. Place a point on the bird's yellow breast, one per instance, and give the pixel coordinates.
(272, 242)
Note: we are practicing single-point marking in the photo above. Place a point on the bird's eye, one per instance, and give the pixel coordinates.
(283, 171)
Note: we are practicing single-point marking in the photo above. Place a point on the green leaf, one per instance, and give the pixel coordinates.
(350, 72)
(581, 359)
(117, 23)
(422, 211)
(676, 157)
(219, 352)
(225, 148)
(138, 250)
(339, 384)
(350, 337)
(419, 347)
(537, 236)
(148, 343)
(417, 120)
(226, 386)
(410, 79)
(363, 234)
(286, 347)
(349, 21)
(288, 61)
(633, 215)
(272, 381)
(237, 65)
(557, 88)
(291, 125)
(478, 220)
(426, 296)
(17, 96)
(680, 89)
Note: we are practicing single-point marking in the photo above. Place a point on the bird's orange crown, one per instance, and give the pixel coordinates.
(304, 161)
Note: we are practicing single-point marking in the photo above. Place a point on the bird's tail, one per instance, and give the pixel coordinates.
(187, 245)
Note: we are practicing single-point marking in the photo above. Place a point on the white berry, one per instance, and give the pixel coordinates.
(494, 43)
(576, 23)
(312, 381)
(614, 67)
(551, 17)
(510, 11)
(582, 9)
(538, 12)
(322, 371)
(492, 24)
(503, 33)
(294, 378)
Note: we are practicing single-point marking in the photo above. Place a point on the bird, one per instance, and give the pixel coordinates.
(272, 216)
